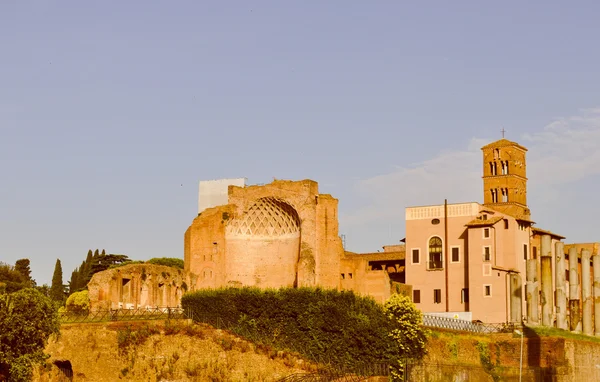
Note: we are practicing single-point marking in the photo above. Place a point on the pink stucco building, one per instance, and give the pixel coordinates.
(465, 260)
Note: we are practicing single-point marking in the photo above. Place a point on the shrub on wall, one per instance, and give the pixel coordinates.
(323, 325)
(168, 261)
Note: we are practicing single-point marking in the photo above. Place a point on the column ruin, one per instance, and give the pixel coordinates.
(586, 292)
(547, 293)
(596, 264)
(532, 292)
(575, 316)
(561, 293)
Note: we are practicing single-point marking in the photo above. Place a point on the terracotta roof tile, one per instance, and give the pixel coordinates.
(484, 223)
(545, 232)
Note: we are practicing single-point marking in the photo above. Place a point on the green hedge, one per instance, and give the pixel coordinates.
(323, 325)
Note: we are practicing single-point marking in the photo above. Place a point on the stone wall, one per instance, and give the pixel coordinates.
(463, 357)
(282, 234)
(137, 286)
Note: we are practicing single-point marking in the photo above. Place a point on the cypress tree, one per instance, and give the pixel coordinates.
(74, 283)
(57, 289)
(22, 266)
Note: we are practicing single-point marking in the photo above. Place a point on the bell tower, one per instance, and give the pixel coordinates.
(504, 178)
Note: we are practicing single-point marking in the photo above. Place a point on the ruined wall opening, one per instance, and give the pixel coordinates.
(125, 291)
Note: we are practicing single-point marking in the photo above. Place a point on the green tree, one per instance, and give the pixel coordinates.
(22, 266)
(74, 281)
(57, 290)
(102, 263)
(78, 302)
(27, 319)
(10, 279)
(408, 332)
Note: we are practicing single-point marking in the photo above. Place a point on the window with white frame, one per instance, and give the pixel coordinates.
(455, 254)
(487, 255)
(486, 233)
(487, 290)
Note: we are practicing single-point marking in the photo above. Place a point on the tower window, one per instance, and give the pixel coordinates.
(496, 153)
(505, 223)
(486, 233)
(487, 290)
(525, 251)
(494, 195)
(504, 195)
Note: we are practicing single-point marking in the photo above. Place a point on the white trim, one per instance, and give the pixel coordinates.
(483, 231)
(411, 256)
(485, 295)
(487, 269)
(459, 256)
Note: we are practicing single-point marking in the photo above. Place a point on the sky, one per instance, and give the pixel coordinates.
(111, 112)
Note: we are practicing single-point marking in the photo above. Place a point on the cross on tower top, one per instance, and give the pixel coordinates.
(503, 131)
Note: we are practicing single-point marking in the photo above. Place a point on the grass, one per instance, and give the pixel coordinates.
(542, 331)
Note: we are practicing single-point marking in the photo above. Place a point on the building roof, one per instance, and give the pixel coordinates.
(503, 143)
(544, 232)
(376, 256)
(484, 223)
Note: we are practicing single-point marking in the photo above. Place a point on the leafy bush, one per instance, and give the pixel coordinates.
(408, 332)
(168, 261)
(322, 325)
(27, 319)
(78, 302)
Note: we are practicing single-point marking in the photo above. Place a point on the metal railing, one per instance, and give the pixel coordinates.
(465, 326)
(166, 313)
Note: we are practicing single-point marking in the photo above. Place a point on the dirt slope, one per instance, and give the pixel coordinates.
(153, 351)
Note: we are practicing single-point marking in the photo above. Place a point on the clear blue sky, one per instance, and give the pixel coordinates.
(107, 108)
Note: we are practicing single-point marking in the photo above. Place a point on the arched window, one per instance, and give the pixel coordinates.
(435, 253)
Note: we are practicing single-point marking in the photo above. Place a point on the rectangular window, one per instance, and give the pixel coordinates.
(464, 295)
(534, 252)
(566, 274)
(505, 223)
(417, 296)
(415, 256)
(487, 256)
(525, 252)
(455, 254)
(487, 290)
(437, 296)
(486, 233)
